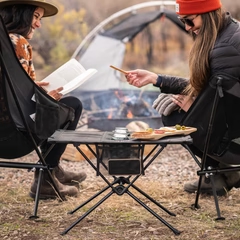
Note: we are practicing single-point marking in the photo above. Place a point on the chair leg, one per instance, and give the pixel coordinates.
(196, 205)
(219, 217)
(34, 216)
(42, 160)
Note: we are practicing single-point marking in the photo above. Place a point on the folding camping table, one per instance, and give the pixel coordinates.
(124, 160)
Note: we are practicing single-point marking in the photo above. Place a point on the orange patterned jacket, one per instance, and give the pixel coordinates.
(23, 51)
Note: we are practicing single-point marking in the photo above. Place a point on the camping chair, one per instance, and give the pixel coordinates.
(28, 116)
(218, 132)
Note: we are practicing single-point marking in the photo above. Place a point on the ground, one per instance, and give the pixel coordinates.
(119, 217)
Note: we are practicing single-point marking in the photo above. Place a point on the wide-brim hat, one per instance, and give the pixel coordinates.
(49, 9)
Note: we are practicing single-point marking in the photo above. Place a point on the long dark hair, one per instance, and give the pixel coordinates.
(213, 22)
(18, 18)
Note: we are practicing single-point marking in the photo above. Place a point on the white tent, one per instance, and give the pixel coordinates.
(105, 45)
(101, 53)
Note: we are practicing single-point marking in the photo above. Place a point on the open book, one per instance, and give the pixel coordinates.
(69, 76)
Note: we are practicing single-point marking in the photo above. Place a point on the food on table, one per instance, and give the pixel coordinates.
(156, 134)
(179, 127)
(140, 134)
(159, 131)
(168, 129)
(149, 130)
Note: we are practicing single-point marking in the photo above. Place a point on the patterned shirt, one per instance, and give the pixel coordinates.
(23, 51)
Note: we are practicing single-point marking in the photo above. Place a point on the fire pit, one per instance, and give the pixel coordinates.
(117, 108)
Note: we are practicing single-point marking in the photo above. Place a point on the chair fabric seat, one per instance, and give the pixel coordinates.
(231, 155)
(15, 144)
(225, 126)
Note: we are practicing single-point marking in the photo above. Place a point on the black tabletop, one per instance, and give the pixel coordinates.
(94, 137)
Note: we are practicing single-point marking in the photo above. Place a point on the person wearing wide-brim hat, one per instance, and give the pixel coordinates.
(216, 50)
(22, 18)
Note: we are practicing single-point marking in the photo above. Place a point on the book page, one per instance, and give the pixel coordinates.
(79, 80)
(69, 76)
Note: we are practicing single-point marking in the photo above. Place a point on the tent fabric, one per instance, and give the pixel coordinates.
(132, 25)
(108, 48)
(102, 53)
(135, 23)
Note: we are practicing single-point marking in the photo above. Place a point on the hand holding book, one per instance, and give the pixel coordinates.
(69, 76)
(53, 93)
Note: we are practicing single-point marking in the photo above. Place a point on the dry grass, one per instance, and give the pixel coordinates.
(118, 217)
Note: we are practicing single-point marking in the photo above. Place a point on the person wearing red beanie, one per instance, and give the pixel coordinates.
(216, 50)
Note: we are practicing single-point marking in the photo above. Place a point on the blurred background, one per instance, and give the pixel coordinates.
(160, 45)
(60, 35)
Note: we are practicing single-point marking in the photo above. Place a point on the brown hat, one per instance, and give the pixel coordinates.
(49, 9)
(189, 7)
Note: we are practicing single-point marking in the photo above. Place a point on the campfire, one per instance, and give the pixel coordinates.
(114, 108)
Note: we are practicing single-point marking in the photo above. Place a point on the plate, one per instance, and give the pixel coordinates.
(169, 131)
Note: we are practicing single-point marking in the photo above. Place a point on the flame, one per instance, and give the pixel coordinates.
(122, 98)
(110, 114)
(129, 114)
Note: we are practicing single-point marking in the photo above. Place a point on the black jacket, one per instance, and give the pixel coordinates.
(225, 61)
(224, 58)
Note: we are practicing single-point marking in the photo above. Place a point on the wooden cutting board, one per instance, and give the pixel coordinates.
(168, 131)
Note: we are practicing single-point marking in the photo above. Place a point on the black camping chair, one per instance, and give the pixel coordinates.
(218, 134)
(28, 115)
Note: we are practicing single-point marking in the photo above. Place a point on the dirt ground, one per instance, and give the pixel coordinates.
(119, 217)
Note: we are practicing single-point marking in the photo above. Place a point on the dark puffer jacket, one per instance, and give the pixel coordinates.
(224, 61)
(225, 57)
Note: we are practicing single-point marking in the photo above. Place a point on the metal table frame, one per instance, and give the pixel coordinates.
(120, 184)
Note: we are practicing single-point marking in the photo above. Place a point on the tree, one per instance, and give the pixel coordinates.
(60, 35)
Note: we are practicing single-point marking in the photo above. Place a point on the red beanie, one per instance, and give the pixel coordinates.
(190, 7)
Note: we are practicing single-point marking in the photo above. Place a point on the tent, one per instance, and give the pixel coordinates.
(105, 45)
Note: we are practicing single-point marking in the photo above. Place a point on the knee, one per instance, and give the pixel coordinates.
(79, 107)
(74, 103)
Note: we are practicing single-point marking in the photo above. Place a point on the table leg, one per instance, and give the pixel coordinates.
(175, 231)
(89, 200)
(86, 213)
(154, 201)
